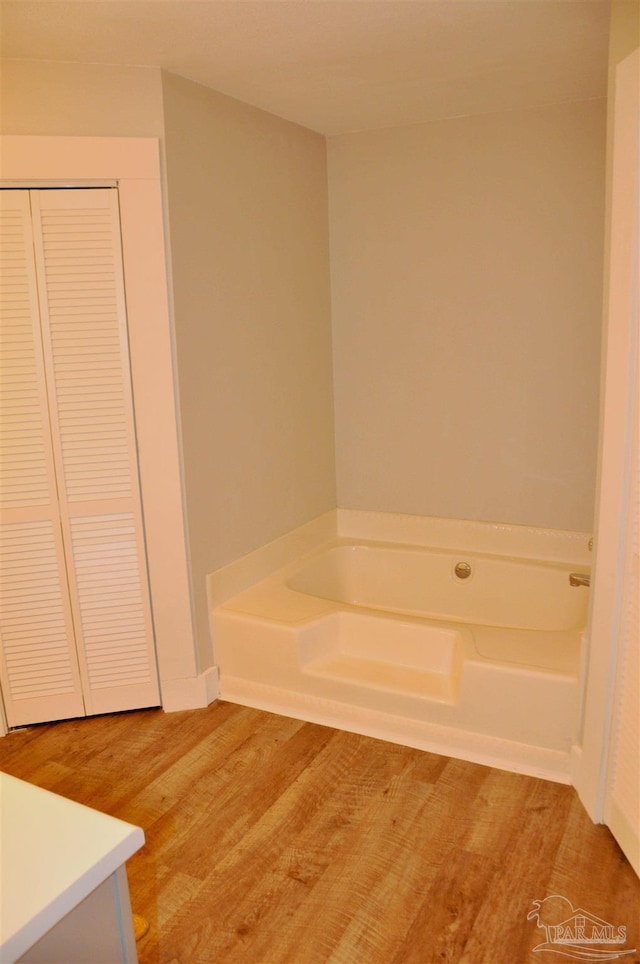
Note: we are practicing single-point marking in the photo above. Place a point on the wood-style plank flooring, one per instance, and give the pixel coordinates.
(272, 841)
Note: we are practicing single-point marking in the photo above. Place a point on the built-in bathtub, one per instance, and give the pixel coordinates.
(475, 653)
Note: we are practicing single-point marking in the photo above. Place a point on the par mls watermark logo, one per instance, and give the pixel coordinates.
(576, 933)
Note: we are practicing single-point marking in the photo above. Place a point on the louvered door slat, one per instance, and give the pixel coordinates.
(86, 352)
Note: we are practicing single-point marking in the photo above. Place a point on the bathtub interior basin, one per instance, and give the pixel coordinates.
(495, 590)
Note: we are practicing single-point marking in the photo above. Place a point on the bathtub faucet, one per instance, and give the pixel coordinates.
(579, 579)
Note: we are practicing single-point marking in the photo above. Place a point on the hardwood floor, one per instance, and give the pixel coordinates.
(272, 841)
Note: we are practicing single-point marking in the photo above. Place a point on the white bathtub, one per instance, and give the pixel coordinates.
(385, 639)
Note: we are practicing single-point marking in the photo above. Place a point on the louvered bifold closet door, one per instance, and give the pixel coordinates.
(38, 665)
(80, 283)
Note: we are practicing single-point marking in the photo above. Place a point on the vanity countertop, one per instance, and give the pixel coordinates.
(53, 853)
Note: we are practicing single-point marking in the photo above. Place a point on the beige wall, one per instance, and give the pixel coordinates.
(466, 269)
(247, 198)
(73, 99)
(466, 287)
(624, 33)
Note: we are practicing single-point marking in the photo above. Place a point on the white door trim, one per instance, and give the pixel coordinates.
(591, 757)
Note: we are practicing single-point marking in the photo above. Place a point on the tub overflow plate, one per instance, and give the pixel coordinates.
(462, 570)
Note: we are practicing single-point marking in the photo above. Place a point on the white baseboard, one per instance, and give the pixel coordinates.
(192, 693)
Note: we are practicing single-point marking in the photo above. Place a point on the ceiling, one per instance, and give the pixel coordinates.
(337, 65)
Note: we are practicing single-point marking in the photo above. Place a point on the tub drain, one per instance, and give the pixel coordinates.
(462, 570)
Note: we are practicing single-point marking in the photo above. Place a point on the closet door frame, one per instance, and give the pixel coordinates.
(134, 165)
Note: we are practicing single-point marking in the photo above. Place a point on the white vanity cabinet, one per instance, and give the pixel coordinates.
(64, 897)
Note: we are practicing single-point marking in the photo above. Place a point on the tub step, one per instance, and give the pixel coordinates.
(388, 677)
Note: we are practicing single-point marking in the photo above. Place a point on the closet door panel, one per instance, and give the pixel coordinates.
(77, 244)
(39, 670)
